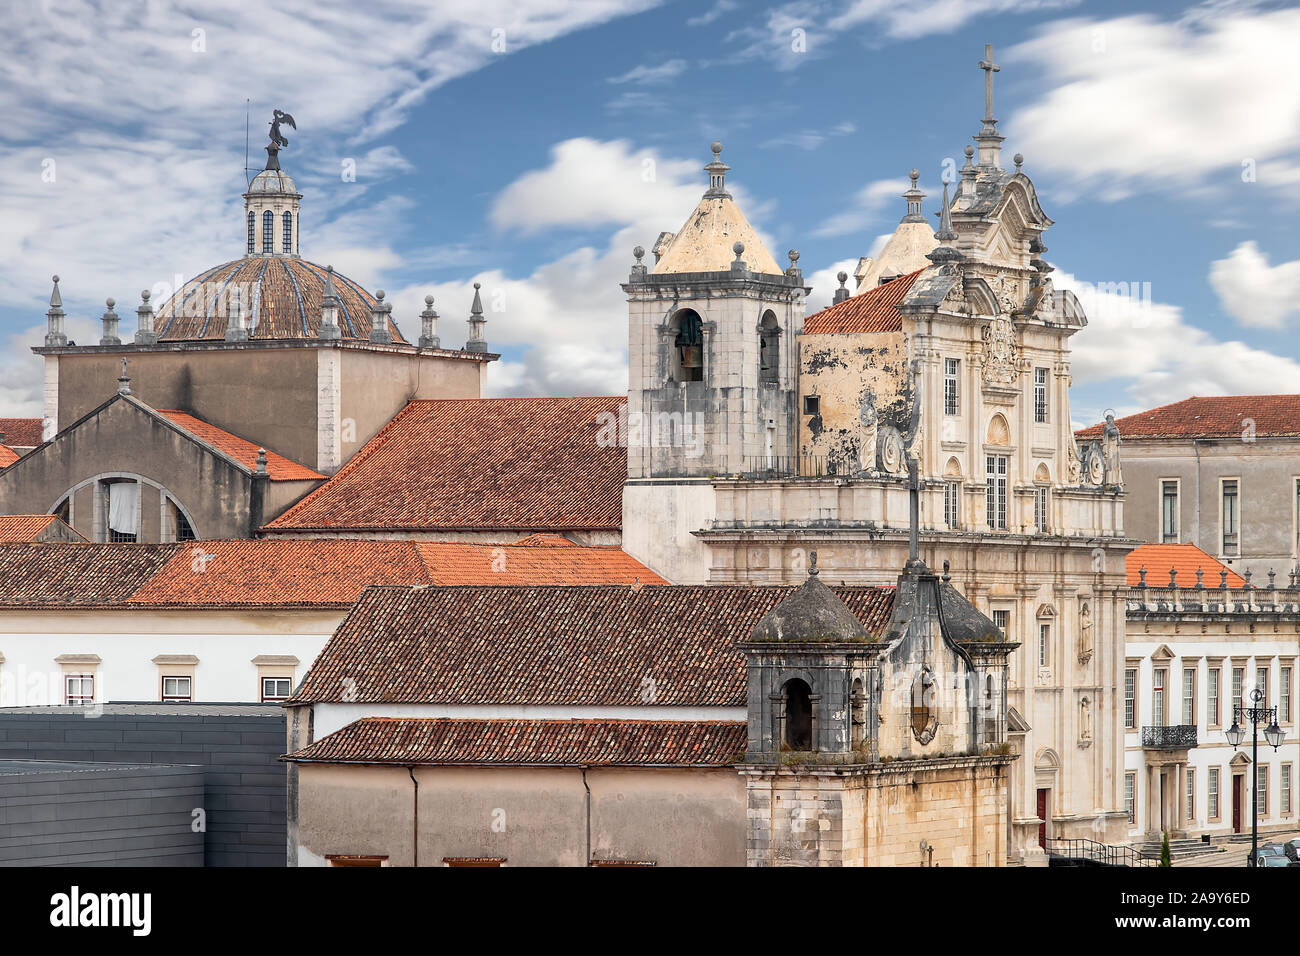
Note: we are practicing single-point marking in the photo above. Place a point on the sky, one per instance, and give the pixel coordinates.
(530, 145)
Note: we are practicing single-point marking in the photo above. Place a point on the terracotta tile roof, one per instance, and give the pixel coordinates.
(7, 456)
(531, 464)
(607, 645)
(295, 572)
(875, 310)
(23, 527)
(76, 575)
(283, 294)
(318, 573)
(526, 562)
(1184, 559)
(444, 741)
(22, 432)
(1224, 416)
(243, 451)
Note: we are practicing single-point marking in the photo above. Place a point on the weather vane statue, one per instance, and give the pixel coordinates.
(278, 140)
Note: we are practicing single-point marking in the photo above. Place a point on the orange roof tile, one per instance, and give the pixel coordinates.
(480, 742)
(243, 451)
(534, 464)
(1183, 559)
(22, 432)
(7, 456)
(519, 563)
(1225, 416)
(875, 310)
(23, 527)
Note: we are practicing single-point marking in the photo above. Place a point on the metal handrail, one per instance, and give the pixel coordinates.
(1105, 854)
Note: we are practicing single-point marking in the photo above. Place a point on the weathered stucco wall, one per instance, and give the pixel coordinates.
(531, 817)
(851, 375)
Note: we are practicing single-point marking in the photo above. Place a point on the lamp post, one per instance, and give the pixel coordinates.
(1256, 715)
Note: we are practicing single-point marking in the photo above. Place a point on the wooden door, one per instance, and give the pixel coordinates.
(1237, 780)
(1042, 815)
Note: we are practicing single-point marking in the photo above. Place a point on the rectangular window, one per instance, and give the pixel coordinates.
(1284, 693)
(1130, 697)
(996, 492)
(1169, 512)
(1231, 517)
(80, 689)
(1191, 795)
(1130, 794)
(276, 688)
(1261, 789)
(951, 387)
(1044, 644)
(812, 405)
(176, 688)
(1003, 620)
(1040, 394)
(1041, 503)
(1189, 695)
(1238, 680)
(1212, 696)
(1212, 793)
(1286, 788)
(952, 504)
(1261, 681)
(1158, 696)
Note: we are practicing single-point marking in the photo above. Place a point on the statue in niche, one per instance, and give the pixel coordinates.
(1085, 719)
(1110, 442)
(1085, 633)
(868, 427)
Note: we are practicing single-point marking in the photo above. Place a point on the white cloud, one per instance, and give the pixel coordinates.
(864, 208)
(650, 75)
(909, 19)
(810, 139)
(1145, 348)
(824, 282)
(715, 12)
(1252, 291)
(1137, 102)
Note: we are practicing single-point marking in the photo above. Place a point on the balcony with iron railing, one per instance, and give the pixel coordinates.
(1169, 737)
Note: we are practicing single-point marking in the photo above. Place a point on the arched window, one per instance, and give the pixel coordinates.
(769, 348)
(688, 347)
(288, 232)
(251, 222)
(268, 231)
(798, 715)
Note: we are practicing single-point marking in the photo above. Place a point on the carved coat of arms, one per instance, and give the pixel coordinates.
(999, 351)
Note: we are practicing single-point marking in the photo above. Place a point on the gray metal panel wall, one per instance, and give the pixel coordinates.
(237, 746)
(105, 816)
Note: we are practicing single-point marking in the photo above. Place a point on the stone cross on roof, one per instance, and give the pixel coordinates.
(989, 68)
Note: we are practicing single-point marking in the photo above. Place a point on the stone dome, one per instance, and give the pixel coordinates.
(274, 182)
(280, 294)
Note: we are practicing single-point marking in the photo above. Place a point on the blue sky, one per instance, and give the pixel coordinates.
(530, 145)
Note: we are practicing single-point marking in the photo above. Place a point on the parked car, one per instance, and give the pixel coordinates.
(1270, 851)
(1276, 861)
(1292, 850)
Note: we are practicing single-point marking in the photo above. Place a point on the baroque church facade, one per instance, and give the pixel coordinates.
(766, 435)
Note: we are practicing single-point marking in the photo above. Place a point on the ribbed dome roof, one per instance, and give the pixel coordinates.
(275, 182)
(281, 294)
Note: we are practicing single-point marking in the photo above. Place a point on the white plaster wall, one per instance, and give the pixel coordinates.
(658, 518)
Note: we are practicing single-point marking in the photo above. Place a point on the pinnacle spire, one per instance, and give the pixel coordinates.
(717, 171)
(914, 197)
(944, 252)
(476, 342)
(54, 334)
(990, 143)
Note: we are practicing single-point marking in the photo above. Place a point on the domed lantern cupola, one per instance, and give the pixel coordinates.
(272, 201)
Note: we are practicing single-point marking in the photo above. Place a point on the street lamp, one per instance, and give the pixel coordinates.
(1256, 715)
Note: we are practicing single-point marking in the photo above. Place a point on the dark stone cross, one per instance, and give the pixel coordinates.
(989, 68)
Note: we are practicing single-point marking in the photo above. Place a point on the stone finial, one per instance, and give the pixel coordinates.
(1142, 576)
(1248, 575)
(144, 333)
(1200, 578)
(261, 461)
(379, 313)
(110, 320)
(913, 195)
(1223, 579)
(1173, 577)
(812, 564)
(429, 326)
(1272, 579)
(329, 309)
(639, 268)
(947, 576)
(123, 381)
(476, 342)
(1019, 160)
(717, 171)
(236, 330)
(842, 292)
(738, 264)
(946, 235)
(794, 272)
(54, 334)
